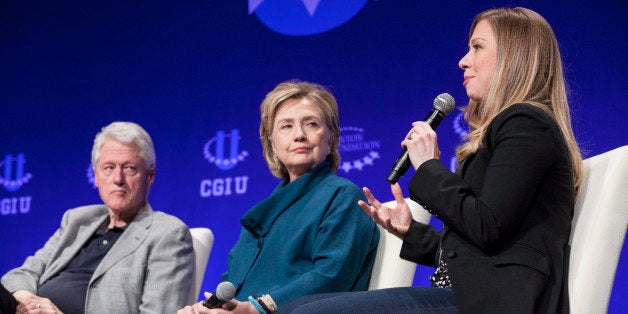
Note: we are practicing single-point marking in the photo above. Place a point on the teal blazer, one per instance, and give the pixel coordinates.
(309, 236)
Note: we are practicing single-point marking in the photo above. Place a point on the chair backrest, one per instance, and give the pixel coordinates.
(598, 230)
(390, 270)
(202, 241)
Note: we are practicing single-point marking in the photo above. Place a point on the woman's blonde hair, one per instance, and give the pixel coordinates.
(529, 70)
(315, 94)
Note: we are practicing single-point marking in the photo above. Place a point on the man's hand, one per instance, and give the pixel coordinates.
(31, 303)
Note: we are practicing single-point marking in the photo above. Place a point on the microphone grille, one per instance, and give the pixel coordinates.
(444, 103)
(225, 291)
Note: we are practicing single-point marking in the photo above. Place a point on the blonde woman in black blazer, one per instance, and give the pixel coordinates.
(507, 210)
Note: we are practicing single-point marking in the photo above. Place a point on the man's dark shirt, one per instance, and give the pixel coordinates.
(68, 289)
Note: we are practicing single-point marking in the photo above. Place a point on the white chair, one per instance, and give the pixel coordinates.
(202, 241)
(390, 270)
(598, 229)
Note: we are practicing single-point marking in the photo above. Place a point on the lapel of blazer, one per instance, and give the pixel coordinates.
(134, 235)
(79, 230)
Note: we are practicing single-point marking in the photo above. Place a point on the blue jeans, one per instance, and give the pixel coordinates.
(392, 300)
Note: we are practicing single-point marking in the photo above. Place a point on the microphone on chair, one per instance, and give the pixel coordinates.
(224, 292)
(443, 105)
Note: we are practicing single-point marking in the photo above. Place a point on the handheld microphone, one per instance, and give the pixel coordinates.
(224, 292)
(443, 105)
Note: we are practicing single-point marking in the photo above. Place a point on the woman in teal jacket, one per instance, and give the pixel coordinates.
(309, 236)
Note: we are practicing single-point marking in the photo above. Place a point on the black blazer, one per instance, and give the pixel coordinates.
(8, 304)
(507, 214)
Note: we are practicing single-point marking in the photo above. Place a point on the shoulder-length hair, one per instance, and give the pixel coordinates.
(295, 89)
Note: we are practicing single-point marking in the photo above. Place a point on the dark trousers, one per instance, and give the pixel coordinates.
(392, 300)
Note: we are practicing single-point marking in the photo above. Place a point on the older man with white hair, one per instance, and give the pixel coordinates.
(117, 257)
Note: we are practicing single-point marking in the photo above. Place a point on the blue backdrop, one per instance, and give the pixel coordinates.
(194, 72)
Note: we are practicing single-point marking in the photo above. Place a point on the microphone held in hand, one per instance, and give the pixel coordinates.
(224, 292)
(444, 104)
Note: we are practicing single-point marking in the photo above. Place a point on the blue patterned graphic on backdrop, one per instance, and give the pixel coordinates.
(218, 143)
(8, 180)
(91, 177)
(13, 178)
(356, 151)
(462, 129)
(304, 17)
(214, 152)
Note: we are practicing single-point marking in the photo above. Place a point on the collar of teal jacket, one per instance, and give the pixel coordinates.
(259, 219)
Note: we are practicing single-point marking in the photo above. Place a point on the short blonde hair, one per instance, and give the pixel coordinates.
(295, 89)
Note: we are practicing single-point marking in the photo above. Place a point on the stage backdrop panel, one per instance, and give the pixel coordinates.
(193, 73)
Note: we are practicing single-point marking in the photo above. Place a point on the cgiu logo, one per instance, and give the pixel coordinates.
(20, 178)
(215, 151)
(304, 17)
(13, 177)
(218, 158)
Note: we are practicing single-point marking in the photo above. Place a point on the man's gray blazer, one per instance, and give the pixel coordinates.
(148, 270)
